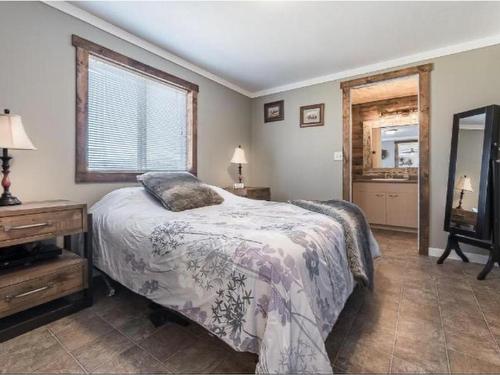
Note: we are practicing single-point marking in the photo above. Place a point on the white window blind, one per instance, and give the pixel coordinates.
(135, 123)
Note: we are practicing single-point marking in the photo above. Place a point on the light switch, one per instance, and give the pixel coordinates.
(337, 155)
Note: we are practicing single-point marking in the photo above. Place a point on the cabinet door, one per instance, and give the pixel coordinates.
(402, 209)
(372, 204)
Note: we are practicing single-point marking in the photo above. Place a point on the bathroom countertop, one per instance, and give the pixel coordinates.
(366, 179)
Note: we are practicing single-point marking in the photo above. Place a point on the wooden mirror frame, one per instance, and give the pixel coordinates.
(482, 228)
(424, 103)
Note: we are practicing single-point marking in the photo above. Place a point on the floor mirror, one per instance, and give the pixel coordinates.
(472, 196)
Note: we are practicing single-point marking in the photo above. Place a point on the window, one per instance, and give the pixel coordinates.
(131, 118)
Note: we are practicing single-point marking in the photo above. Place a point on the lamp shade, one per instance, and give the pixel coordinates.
(239, 156)
(464, 183)
(12, 133)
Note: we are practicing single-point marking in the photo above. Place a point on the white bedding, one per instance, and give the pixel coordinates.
(266, 277)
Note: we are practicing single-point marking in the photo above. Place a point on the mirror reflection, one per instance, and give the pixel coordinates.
(468, 171)
(394, 146)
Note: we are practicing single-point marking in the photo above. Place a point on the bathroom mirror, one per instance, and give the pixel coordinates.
(390, 147)
(467, 210)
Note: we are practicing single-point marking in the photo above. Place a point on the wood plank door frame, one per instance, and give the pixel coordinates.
(424, 102)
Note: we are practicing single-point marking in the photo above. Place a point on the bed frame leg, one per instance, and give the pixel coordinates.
(111, 291)
(161, 315)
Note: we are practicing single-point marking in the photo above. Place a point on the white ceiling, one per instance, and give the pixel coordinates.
(263, 47)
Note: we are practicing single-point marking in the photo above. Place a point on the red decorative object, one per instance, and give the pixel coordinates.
(7, 199)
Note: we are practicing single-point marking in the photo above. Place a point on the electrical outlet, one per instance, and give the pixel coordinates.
(337, 155)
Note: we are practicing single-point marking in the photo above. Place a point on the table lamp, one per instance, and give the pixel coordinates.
(13, 136)
(239, 158)
(464, 184)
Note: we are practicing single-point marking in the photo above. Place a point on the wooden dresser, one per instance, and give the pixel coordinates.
(259, 193)
(36, 294)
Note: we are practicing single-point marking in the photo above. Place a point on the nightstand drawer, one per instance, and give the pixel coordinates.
(33, 227)
(55, 283)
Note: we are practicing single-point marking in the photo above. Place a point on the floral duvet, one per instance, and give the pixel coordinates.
(266, 277)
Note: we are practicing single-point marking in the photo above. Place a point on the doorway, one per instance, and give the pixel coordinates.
(355, 163)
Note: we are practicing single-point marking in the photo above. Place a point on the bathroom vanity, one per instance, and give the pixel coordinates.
(385, 170)
(388, 202)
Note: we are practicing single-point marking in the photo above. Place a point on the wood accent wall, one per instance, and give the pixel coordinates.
(370, 112)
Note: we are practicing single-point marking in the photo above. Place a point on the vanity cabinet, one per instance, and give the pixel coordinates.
(388, 204)
(373, 205)
(401, 209)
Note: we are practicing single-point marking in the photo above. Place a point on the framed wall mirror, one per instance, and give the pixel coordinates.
(469, 186)
(391, 145)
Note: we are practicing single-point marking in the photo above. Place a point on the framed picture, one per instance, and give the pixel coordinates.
(406, 154)
(274, 111)
(312, 115)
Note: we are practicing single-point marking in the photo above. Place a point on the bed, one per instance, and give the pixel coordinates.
(266, 277)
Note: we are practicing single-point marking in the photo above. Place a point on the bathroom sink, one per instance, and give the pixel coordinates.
(389, 179)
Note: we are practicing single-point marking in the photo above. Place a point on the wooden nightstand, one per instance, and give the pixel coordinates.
(37, 294)
(259, 193)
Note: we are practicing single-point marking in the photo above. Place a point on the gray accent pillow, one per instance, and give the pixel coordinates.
(179, 191)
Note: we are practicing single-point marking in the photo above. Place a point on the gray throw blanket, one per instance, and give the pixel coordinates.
(359, 239)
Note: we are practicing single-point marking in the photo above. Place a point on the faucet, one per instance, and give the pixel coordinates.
(406, 174)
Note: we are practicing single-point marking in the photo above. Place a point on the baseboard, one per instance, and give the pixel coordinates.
(394, 228)
(473, 257)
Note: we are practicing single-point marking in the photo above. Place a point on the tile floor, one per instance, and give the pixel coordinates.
(421, 317)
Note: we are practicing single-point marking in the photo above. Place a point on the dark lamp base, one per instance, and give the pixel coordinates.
(8, 200)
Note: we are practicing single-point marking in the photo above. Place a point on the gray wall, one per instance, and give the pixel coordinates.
(298, 163)
(37, 62)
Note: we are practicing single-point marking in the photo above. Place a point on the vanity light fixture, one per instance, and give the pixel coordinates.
(398, 113)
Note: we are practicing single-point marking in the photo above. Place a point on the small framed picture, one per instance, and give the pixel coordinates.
(274, 111)
(312, 115)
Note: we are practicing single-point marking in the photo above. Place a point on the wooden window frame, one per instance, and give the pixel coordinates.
(424, 105)
(84, 49)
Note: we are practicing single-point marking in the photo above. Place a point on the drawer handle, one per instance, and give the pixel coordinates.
(379, 195)
(393, 195)
(8, 228)
(28, 293)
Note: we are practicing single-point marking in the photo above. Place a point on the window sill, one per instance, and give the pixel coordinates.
(82, 177)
